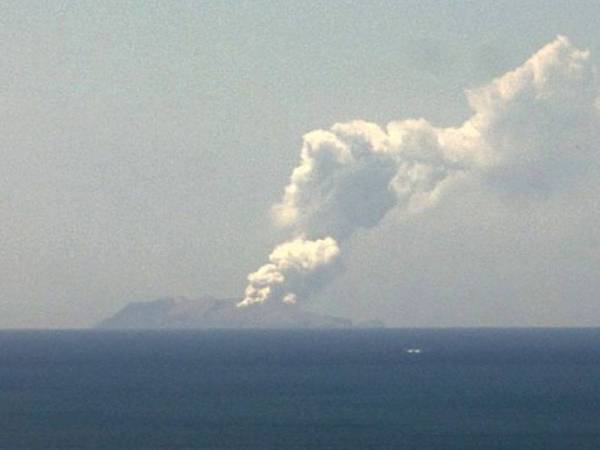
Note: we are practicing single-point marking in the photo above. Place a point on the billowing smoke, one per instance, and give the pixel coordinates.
(530, 130)
(296, 267)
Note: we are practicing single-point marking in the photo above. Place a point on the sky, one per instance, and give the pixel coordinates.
(144, 144)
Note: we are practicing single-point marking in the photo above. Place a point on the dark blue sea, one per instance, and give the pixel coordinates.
(456, 389)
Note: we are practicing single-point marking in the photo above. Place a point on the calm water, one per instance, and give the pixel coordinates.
(466, 389)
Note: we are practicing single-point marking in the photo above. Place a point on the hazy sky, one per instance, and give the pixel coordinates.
(143, 144)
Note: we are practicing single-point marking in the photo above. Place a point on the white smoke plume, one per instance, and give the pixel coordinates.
(530, 129)
(296, 267)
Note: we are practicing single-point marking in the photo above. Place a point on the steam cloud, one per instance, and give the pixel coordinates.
(530, 129)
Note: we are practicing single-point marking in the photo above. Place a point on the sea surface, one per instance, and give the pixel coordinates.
(458, 389)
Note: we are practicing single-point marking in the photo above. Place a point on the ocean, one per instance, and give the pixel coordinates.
(417, 389)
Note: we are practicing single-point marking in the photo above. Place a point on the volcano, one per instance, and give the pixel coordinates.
(212, 313)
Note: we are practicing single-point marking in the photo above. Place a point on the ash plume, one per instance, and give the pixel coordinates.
(297, 267)
(531, 129)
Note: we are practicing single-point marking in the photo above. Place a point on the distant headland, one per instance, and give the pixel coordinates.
(207, 312)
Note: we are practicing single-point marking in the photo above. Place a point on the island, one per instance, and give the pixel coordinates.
(213, 313)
